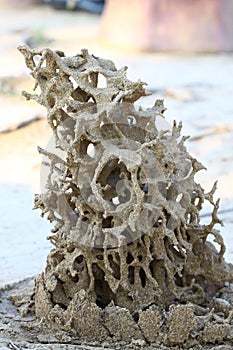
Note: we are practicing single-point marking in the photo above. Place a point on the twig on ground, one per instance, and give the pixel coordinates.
(13, 346)
(219, 129)
(21, 125)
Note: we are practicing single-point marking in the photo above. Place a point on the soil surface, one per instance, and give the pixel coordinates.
(197, 90)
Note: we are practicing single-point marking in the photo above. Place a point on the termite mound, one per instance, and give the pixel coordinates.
(129, 244)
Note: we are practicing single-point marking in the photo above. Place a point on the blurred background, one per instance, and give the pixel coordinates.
(183, 49)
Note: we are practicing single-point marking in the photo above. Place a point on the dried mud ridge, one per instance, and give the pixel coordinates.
(131, 259)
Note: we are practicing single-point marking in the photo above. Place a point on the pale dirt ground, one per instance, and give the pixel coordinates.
(198, 90)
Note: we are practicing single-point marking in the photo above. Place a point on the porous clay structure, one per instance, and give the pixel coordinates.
(131, 258)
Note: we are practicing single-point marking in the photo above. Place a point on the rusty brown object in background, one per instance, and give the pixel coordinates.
(169, 25)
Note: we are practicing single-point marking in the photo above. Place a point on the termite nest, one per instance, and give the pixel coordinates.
(131, 258)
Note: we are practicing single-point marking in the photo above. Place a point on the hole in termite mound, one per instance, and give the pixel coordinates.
(129, 258)
(91, 150)
(142, 277)
(102, 81)
(115, 267)
(110, 177)
(79, 263)
(131, 274)
(102, 290)
(107, 222)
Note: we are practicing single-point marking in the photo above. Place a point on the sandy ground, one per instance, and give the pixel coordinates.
(197, 89)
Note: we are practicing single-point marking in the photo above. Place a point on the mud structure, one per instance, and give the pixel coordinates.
(131, 258)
